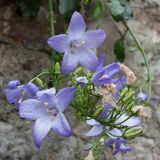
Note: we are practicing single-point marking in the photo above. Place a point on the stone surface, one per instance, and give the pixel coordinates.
(24, 53)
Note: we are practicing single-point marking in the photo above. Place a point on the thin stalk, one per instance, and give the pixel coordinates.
(39, 76)
(52, 20)
(145, 60)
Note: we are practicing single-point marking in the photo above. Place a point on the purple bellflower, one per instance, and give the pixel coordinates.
(16, 93)
(82, 81)
(106, 75)
(120, 145)
(123, 120)
(47, 111)
(79, 46)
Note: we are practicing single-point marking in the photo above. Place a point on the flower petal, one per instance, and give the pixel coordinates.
(60, 126)
(133, 121)
(31, 88)
(32, 109)
(13, 95)
(63, 98)
(101, 62)
(77, 25)
(94, 131)
(40, 130)
(112, 69)
(94, 38)
(42, 95)
(13, 84)
(87, 58)
(92, 122)
(114, 133)
(60, 42)
(69, 63)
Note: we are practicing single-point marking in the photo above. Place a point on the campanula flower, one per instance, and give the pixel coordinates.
(106, 74)
(119, 145)
(123, 120)
(47, 111)
(78, 45)
(16, 93)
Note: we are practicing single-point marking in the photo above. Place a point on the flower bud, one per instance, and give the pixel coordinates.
(133, 132)
(98, 111)
(130, 106)
(125, 91)
(78, 71)
(39, 82)
(129, 96)
(57, 68)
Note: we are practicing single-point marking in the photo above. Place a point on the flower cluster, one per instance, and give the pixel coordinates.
(103, 96)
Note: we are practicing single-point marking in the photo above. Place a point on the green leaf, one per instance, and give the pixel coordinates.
(119, 49)
(120, 10)
(98, 10)
(29, 8)
(67, 7)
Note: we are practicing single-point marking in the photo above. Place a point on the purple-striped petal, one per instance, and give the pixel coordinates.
(101, 62)
(32, 109)
(43, 95)
(60, 125)
(87, 58)
(77, 25)
(59, 42)
(112, 69)
(94, 131)
(40, 129)
(115, 133)
(63, 98)
(69, 63)
(94, 38)
(31, 88)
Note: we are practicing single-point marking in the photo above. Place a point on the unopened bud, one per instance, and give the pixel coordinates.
(133, 132)
(78, 71)
(130, 106)
(57, 68)
(125, 91)
(129, 96)
(39, 82)
(89, 156)
(98, 111)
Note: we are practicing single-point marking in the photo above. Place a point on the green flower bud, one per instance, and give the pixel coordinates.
(57, 68)
(133, 132)
(129, 96)
(129, 107)
(125, 90)
(78, 71)
(98, 111)
(39, 82)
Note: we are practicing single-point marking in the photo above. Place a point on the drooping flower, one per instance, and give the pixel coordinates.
(119, 145)
(47, 111)
(16, 93)
(79, 46)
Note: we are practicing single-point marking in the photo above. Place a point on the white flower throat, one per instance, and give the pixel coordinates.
(74, 45)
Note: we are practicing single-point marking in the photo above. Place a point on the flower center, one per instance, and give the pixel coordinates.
(51, 111)
(74, 45)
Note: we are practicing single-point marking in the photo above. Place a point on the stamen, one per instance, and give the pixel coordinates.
(74, 45)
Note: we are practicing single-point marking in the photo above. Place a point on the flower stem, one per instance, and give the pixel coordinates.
(141, 49)
(52, 21)
(45, 72)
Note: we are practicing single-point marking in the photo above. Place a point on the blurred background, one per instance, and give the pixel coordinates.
(24, 30)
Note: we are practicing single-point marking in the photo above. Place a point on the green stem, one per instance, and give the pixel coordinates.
(145, 60)
(52, 20)
(38, 76)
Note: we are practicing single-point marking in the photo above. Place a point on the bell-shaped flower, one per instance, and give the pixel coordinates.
(79, 46)
(47, 111)
(106, 75)
(118, 145)
(16, 93)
